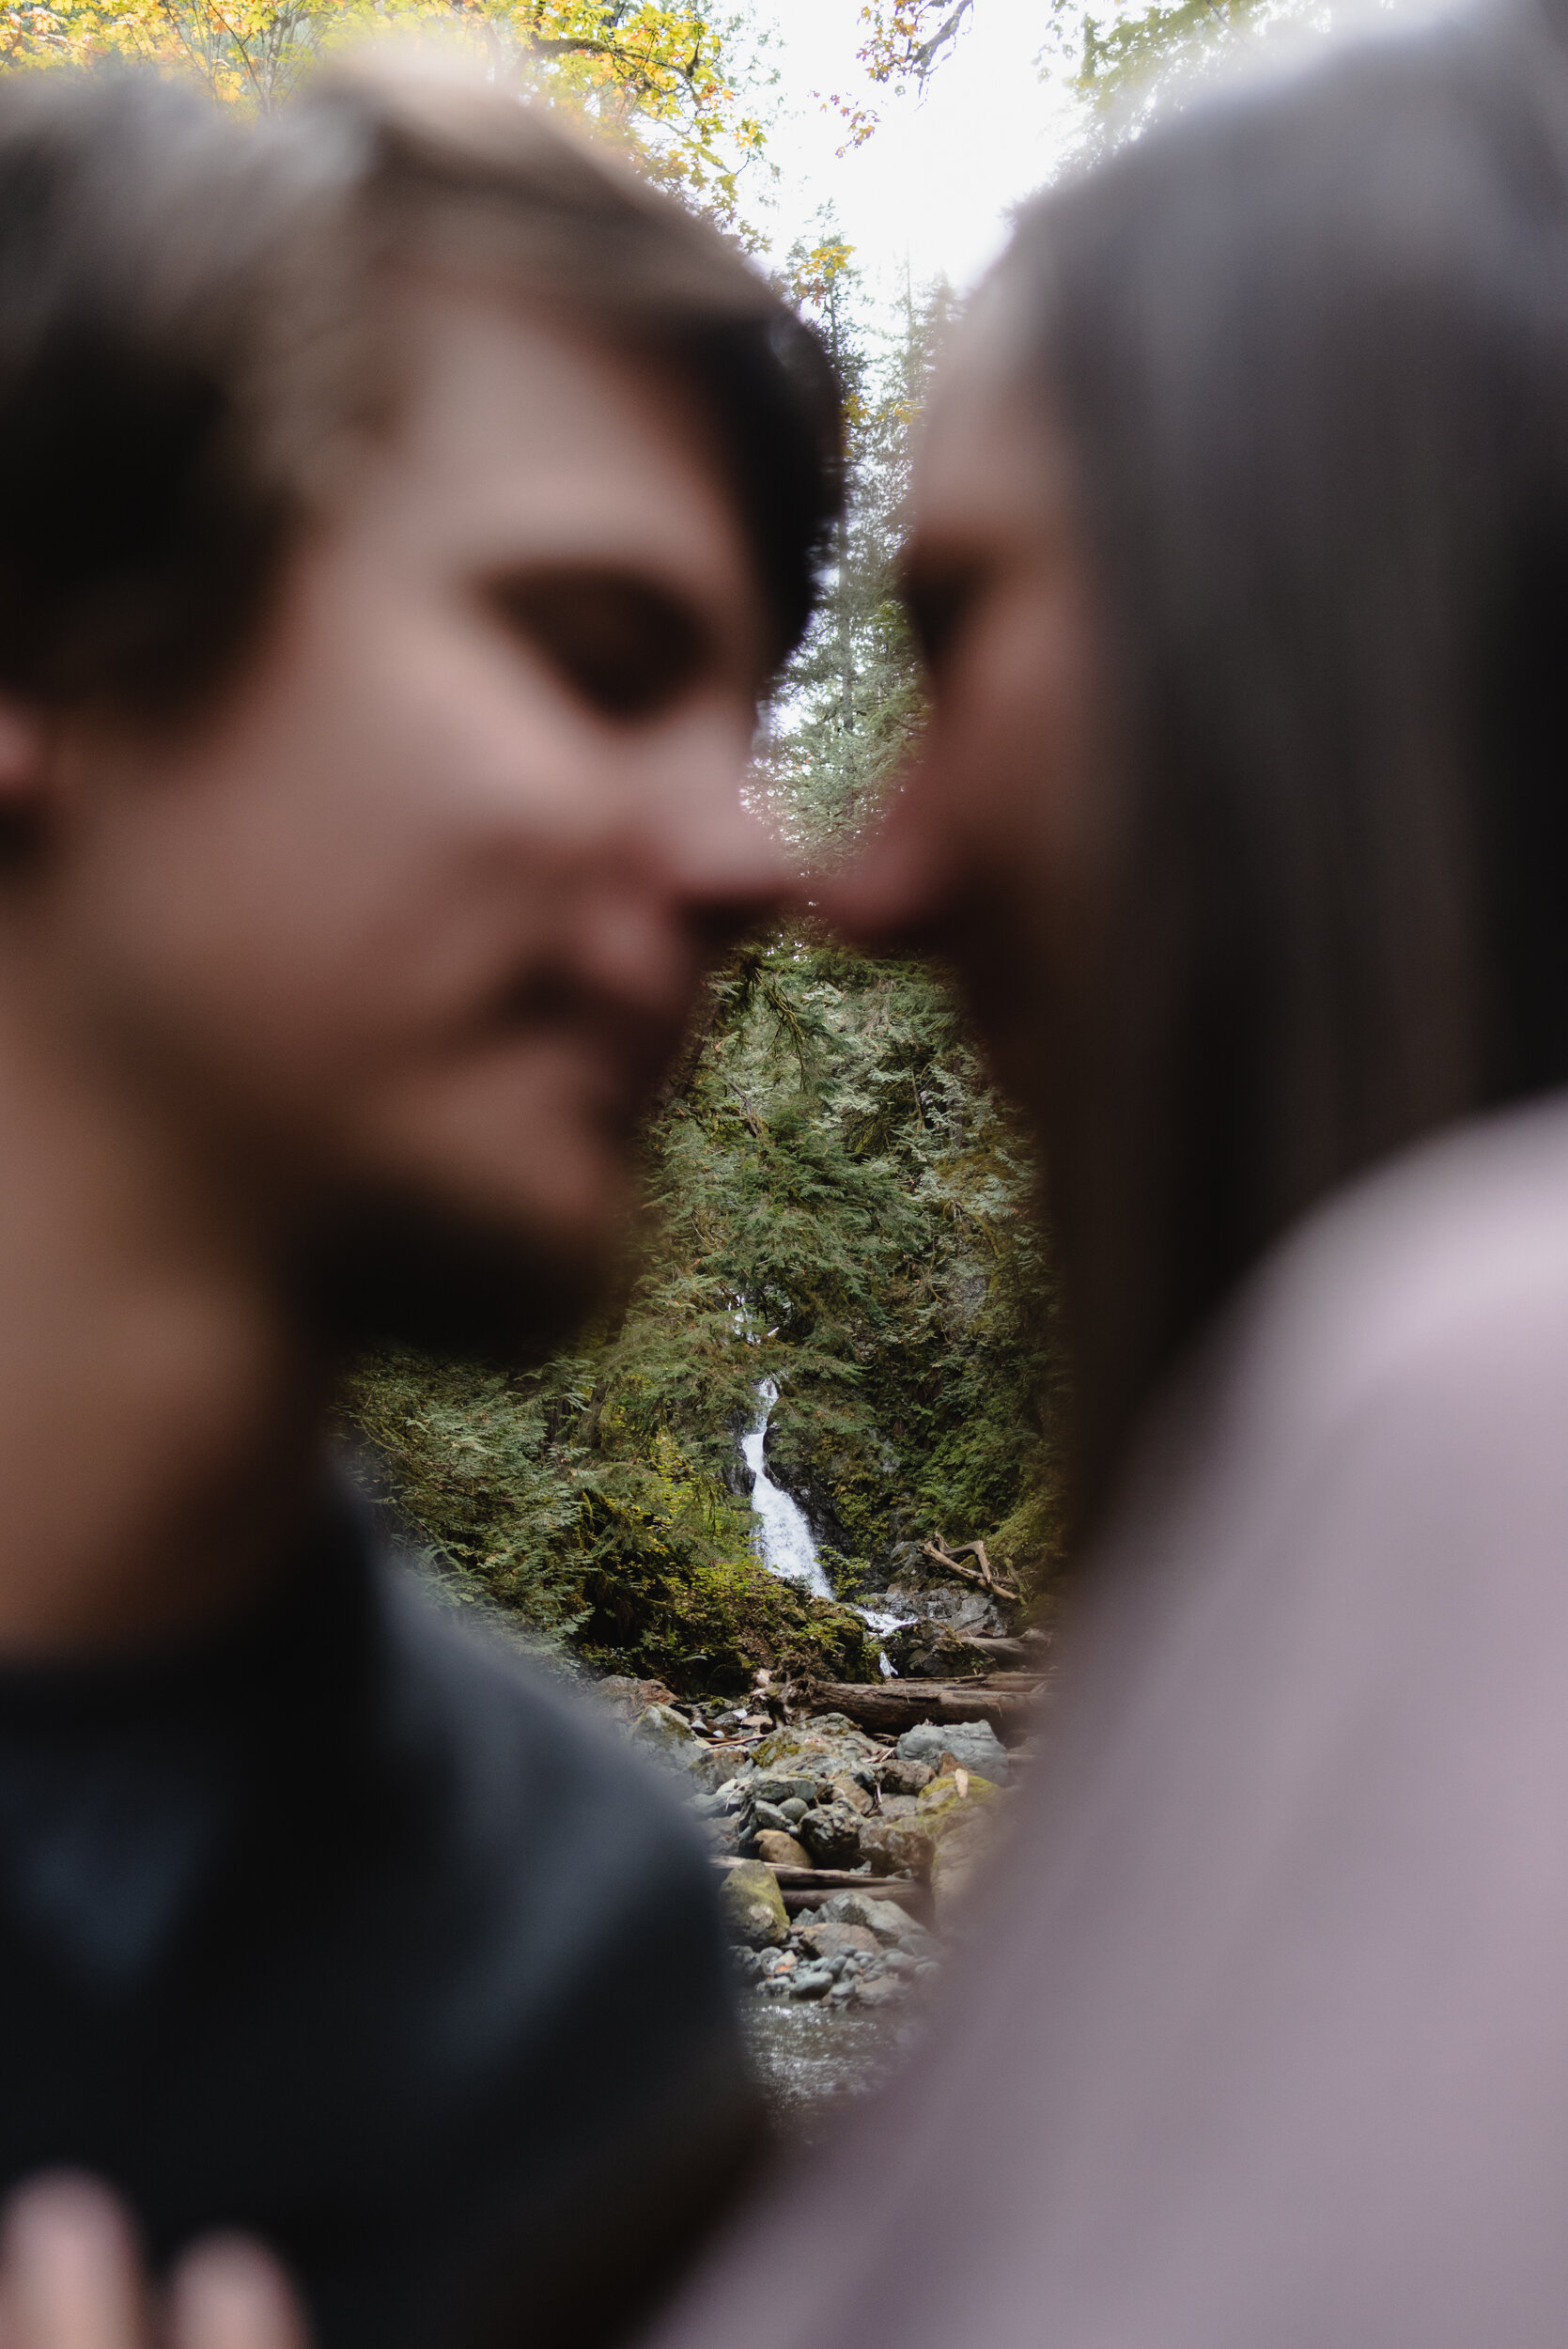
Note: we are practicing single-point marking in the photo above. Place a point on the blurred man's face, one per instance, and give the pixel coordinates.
(407, 929)
(991, 850)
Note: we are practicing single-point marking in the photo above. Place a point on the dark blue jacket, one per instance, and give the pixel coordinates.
(343, 1929)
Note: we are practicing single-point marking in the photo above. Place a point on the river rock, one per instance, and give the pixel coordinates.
(849, 1789)
(726, 1800)
(895, 1847)
(958, 1854)
(974, 1745)
(961, 1606)
(752, 1906)
(812, 1981)
(886, 1922)
(824, 1748)
(780, 1786)
(661, 1731)
(825, 1942)
(831, 1834)
(626, 1698)
(781, 1851)
(933, 1651)
(968, 1610)
(708, 1767)
(885, 1991)
(900, 1777)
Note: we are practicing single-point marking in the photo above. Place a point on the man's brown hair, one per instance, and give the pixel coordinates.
(195, 322)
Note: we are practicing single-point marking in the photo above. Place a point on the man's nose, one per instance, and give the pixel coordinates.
(724, 862)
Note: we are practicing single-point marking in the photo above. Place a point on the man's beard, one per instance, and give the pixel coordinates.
(381, 1268)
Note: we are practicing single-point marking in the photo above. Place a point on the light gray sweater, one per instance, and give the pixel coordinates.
(1263, 2042)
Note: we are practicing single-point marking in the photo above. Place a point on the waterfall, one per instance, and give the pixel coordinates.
(784, 1537)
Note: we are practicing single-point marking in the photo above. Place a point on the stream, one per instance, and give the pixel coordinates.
(813, 2059)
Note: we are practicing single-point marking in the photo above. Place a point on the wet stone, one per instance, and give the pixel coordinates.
(895, 1847)
(974, 1745)
(831, 1834)
(811, 1982)
(781, 1851)
(781, 1786)
(828, 1941)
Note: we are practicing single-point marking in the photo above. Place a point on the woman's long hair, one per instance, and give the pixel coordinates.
(1308, 345)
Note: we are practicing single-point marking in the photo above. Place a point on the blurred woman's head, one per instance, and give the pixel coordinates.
(1240, 553)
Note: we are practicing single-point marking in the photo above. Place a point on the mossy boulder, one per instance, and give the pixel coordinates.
(752, 1906)
(946, 1804)
(826, 1747)
(709, 1629)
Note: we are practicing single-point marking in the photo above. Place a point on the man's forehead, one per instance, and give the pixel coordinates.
(516, 421)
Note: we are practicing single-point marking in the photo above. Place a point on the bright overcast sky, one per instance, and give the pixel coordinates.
(933, 185)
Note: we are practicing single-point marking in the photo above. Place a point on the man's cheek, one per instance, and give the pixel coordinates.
(532, 1123)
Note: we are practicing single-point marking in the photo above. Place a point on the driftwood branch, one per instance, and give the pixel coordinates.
(986, 1580)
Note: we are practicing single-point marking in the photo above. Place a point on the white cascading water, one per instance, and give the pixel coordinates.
(783, 1536)
(785, 1539)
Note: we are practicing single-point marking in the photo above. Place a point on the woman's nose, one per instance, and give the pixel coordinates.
(895, 895)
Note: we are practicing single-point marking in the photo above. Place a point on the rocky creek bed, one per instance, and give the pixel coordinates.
(844, 1859)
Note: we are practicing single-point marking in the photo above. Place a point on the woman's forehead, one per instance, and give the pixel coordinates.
(989, 453)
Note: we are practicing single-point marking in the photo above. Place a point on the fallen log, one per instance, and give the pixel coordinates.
(1006, 1699)
(807, 1888)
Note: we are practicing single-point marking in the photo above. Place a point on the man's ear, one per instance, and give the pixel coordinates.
(23, 735)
